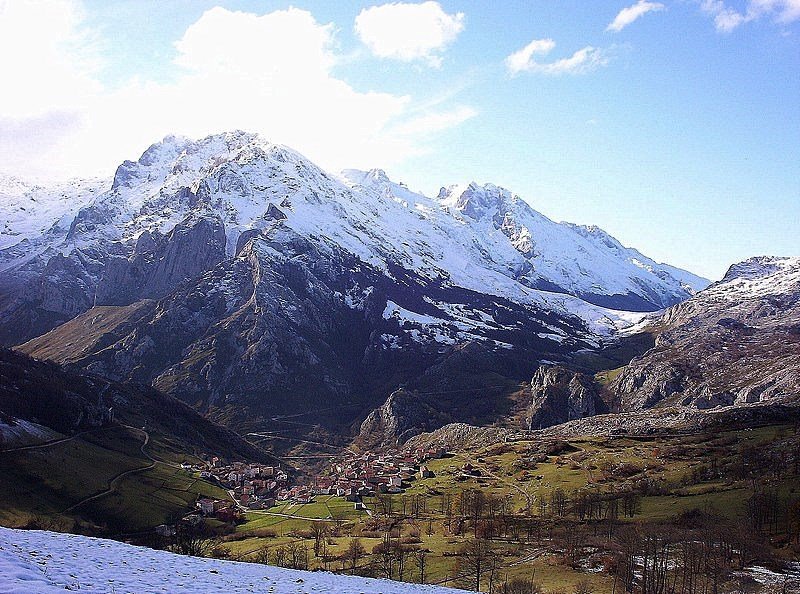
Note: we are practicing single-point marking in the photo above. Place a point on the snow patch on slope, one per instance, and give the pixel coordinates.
(757, 277)
(19, 432)
(38, 562)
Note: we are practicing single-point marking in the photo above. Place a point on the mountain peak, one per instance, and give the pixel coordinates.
(477, 201)
(360, 177)
(759, 267)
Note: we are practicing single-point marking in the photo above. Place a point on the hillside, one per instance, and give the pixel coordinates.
(738, 341)
(69, 437)
(733, 344)
(563, 510)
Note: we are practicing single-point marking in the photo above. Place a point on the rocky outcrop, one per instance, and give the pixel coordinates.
(735, 343)
(400, 418)
(48, 292)
(559, 395)
(670, 420)
(461, 436)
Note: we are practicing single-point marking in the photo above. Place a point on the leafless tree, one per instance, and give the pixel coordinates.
(192, 540)
(297, 555)
(583, 587)
(421, 560)
(520, 586)
(473, 562)
(319, 530)
(354, 553)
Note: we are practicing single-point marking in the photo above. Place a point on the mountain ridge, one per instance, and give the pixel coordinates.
(250, 185)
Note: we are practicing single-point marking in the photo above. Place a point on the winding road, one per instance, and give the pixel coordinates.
(114, 481)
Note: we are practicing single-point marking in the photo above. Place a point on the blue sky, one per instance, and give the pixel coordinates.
(677, 130)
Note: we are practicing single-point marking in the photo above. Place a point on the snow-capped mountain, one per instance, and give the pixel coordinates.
(736, 342)
(240, 276)
(481, 238)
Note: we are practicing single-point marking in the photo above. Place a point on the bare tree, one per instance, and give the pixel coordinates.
(520, 586)
(262, 555)
(583, 587)
(386, 504)
(297, 555)
(192, 540)
(354, 553)
(473, 562)
(421, 560)
(558, 502)
(319, 530)
(280, 556)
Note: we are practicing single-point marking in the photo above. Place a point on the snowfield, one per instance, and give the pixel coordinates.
(28, 211)
(34, 562)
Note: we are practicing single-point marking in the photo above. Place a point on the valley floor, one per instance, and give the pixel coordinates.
(39, 562)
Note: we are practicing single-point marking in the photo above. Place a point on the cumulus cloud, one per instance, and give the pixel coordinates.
(270, 73)
(408, 32)
(627, 15)
(582, 61)
(727, 18)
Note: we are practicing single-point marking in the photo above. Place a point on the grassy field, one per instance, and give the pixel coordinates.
(676, 475)
(40, 485)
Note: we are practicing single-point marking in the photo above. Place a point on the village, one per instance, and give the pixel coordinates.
(354, 477)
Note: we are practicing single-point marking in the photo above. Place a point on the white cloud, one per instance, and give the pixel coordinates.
(269, 73)
(627, 15)
(520, 60)
(47, 62)
(435, 121)
(582, 61)
(727, 19)
(408, 32)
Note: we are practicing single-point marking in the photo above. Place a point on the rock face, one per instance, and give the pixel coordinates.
(559, 395)
(401, 417)
(283, 329)
(52, 289)
(159, 263)
(734, 343)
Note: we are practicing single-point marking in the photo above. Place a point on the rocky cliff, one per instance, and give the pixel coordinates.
(559, 395)
(736, 342)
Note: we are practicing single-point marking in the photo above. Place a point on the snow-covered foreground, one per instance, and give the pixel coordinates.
(33, 562)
